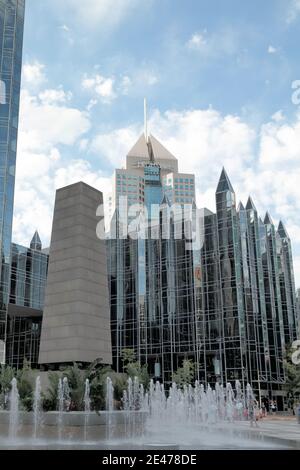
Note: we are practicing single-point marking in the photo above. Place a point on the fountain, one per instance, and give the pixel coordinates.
(37, 411)
(109, 409)
(63, 398)
(13, 410)
(152, 417)
(87, 406)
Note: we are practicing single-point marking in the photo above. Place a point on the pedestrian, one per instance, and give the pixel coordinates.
(273, 406)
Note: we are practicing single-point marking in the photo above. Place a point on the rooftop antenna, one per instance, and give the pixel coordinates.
(146, 121)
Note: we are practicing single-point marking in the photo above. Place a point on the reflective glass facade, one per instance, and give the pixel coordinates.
(11, 41)
(29, 267)
(298, 308)
(229, 304)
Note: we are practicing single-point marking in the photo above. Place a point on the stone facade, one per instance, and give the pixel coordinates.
(76, 320)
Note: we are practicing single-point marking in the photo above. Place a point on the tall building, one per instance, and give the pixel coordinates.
(129, 183)
(231, 288)
(76, 320)
(229, 304)
(29, 267)
(298, 310)
(11, 42)
(143, 270)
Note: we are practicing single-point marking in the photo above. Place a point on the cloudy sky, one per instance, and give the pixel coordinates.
(218, 76)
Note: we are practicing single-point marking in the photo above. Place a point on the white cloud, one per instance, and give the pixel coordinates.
(272, 50)
(103, 87)
(43, 124)
(99, 13)
(54, 96)
(114, 146)
(148, 77)
(136, 83)
(197, 41)
(215, 44)
(33, 74)
(280, 142)
(65, 28)
(297, 270)
(38, 177)
(47, 123)
(126, 84)
(278, 116)
(106, 89)
(293, 11)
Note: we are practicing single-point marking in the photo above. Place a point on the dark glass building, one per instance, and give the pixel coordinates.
(11, 44)
(229, 304)
(29, 268)
(298, 308)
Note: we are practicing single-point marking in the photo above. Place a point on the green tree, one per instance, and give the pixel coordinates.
(98, 387)
(50, 397)
(185, 374)
(134, 368)
(7, 373)
(128, 357)
(76, 379)
(25, 386)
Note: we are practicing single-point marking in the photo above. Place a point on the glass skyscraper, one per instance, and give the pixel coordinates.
(29, 267)
(229, 304)
(11, 45)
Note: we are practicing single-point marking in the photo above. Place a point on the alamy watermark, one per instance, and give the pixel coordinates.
(2, 92)
(296, 94)
(159, 221)
(296, 352)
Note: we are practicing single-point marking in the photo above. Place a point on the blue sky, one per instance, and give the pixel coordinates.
(218, 77)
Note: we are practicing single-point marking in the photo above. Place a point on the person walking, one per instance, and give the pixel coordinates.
(273, 407)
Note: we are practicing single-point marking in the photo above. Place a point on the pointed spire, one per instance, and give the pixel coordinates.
(224, 183)
(146, 121)
(159, 151)
(240, 207)
(282, 231)
(140, 149)
(207, 212)
(250, 204)
(36, 243)
(268, 219)
(165, 200)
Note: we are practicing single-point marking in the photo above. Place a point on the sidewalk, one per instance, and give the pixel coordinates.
(284, 430)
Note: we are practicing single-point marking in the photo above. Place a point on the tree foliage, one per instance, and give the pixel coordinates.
(7, 373)
(134, 368)
(185, 374)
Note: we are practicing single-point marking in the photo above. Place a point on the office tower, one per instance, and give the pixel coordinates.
(273, 301)
(298, 312)
(28, 279)
(231, 289)
(152, 297)
(287, 284)
(228, 304)
(151, 274)
(129, 183)
(11, 40)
